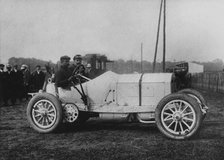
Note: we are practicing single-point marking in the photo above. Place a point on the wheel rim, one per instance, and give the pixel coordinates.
(71, 113)
(178, 117)
(44, 114)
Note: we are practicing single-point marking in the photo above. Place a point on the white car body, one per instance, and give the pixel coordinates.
(114, 93)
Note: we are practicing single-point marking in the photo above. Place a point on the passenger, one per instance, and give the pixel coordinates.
(63, 75)
(78, 67)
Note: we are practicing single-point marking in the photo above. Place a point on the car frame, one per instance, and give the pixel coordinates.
(146, 97)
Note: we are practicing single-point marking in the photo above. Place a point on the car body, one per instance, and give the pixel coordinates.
(146, 97)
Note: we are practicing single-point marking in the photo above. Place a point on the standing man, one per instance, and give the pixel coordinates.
(26, 80)
(17, 77)
(1, 82)
(8, 84)
(37, 77)
(63, 75)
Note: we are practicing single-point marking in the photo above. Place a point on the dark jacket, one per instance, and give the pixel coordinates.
(1, 84)
(8, 80)
(37, 80)
(62, 76)
(17, 77)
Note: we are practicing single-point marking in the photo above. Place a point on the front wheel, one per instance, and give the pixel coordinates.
(178, 116)
(44, 113)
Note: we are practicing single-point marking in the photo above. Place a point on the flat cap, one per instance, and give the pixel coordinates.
(2, 65)
(65, 57)
(78, 56)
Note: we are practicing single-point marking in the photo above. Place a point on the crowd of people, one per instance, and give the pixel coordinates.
(16, 82)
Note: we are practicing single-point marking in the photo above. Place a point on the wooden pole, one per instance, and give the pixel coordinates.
(157, 37)
(164, 36)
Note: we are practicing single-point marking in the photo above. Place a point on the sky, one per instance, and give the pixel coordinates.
(48, 29)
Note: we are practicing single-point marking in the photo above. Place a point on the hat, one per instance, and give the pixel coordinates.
(2, 65)
(38, 66)
(88, 65)
(78, 56)
(65, 58)
(24, 66)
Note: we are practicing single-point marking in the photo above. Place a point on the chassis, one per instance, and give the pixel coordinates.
(147, 98)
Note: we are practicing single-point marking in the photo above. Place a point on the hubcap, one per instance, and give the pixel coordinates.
(71, 113)
(178, 117)
(44, 114)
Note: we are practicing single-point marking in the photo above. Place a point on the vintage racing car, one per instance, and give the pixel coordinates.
(148, 97)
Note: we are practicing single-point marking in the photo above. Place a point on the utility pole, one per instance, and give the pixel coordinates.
(141, 57)
(164, 36)
(157, 37)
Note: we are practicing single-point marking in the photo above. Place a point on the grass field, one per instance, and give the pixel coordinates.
(99, 139)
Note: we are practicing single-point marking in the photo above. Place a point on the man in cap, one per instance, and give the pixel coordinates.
(8, 84)
(1, 81)
(37, 79)
(63, 75)
(17, 77)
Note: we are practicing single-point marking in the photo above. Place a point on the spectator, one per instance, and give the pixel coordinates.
(8, 84)
(89, 71)
(37, 79)
(63, 75)
(1, 82)
(17, 83)
(48, 76)
(26, 80)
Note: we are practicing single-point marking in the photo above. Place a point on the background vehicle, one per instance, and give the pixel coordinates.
(147, 97)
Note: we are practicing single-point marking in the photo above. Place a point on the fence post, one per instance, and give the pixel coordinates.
(217, 83)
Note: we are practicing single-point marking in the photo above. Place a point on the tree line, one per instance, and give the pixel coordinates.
(120, 65)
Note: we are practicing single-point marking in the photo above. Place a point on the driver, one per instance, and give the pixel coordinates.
(63, 75)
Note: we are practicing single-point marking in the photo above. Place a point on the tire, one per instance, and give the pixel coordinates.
(197, 95)
(178, 116)
(44, 113)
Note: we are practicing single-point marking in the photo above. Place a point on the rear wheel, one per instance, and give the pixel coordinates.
(44, 113)
(178, 116)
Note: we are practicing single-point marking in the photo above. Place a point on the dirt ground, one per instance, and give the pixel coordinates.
(99, 139)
